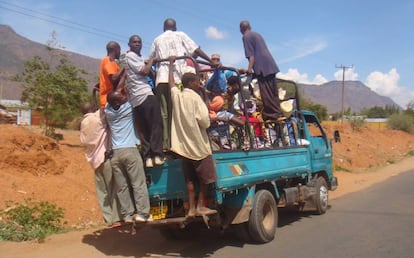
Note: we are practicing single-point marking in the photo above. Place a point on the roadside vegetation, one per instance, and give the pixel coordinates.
(31, 220)
(56, 91)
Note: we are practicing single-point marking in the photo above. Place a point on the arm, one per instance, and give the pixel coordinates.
(146, 69)
(115, 78)
(200, 53)
(251, 63)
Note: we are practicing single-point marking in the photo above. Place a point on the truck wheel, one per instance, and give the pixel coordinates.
(242, 232)
(263, 217)
(174, 232)
(321, 196)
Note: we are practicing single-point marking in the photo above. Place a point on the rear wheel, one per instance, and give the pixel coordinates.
(263, 217)
(321, 196)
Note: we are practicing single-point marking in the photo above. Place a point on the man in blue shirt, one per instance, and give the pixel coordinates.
(264, 68)
(127, 165)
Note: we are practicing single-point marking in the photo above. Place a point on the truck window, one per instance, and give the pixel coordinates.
(314, 128)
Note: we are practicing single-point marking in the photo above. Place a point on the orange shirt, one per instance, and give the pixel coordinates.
(106, 69)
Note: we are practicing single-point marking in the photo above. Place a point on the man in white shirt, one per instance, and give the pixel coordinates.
(171, 43)
(147, 113)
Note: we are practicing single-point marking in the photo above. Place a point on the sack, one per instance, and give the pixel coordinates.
(217, 82)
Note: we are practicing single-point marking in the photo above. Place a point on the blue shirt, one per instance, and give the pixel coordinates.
(121, 123)
(254, 45)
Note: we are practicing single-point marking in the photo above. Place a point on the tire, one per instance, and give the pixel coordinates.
(241, 232)
(174, 232)
(263, 217)
(322, 196)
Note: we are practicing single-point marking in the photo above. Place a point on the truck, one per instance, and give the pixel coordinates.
(294, 170)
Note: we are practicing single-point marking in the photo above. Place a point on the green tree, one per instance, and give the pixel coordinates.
(320, 110)
(56, 93)
(410, 109)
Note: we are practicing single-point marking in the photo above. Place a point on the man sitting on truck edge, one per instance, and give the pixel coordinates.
(190, 119)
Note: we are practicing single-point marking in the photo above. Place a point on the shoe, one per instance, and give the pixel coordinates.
(205, 211)
(159, 161)
(150, 218)
(116, 224)
(142, 218)
(128, 219)
(149, 163)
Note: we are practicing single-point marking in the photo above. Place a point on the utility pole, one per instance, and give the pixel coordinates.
(343, 88)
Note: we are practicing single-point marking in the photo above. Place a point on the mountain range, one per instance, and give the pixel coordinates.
(15, 50)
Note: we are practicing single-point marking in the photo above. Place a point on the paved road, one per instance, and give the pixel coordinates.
(375, 222)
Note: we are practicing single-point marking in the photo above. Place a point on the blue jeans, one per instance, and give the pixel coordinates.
(129, 176)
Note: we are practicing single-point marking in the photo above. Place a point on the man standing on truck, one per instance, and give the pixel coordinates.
(94, 135)
(109, 71)
(190, 119)
(264, 68)
(127, 165)
(147, 113)
(171, 43)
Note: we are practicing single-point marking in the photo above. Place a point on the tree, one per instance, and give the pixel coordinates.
(55, 93)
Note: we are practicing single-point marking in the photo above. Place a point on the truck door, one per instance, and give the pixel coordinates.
(320, 146)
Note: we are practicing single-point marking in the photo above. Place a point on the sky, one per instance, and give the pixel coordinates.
(310, 40)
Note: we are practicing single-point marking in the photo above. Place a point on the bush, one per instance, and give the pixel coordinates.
(31, 221)
(356, 123)
(402, 122)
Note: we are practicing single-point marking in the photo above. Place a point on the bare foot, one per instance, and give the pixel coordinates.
(205, 211)
(191, 213)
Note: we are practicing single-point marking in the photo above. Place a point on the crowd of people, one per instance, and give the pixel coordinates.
(138, 126)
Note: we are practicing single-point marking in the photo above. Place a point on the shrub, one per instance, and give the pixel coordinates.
(339, 168)
(31, 221)
(402, 122)
(356, 123)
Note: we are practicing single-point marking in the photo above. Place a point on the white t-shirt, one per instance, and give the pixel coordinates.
(171, 43)
(137, 84)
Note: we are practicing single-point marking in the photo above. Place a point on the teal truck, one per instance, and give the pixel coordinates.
(295, 169)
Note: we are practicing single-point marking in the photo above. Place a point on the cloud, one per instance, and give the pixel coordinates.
(295, 75)
(350, 75)
(302, 48)
(214, 33)
(387, 84)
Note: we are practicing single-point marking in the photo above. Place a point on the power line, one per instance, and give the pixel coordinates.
(63, 22)
(59, 18)
(343, 88)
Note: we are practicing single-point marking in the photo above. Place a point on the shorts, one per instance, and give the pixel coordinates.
(203, 170)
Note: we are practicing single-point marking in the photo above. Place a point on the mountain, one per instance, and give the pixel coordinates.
(357, 96)
(15, 50)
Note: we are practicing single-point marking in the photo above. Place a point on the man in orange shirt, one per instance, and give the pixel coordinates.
(109, 71)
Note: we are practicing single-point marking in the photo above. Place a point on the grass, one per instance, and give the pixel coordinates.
(339, 168)
(410, 153)
(31, 220)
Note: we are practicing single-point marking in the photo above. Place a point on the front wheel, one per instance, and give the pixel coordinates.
(321, 196)
(263, 217)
